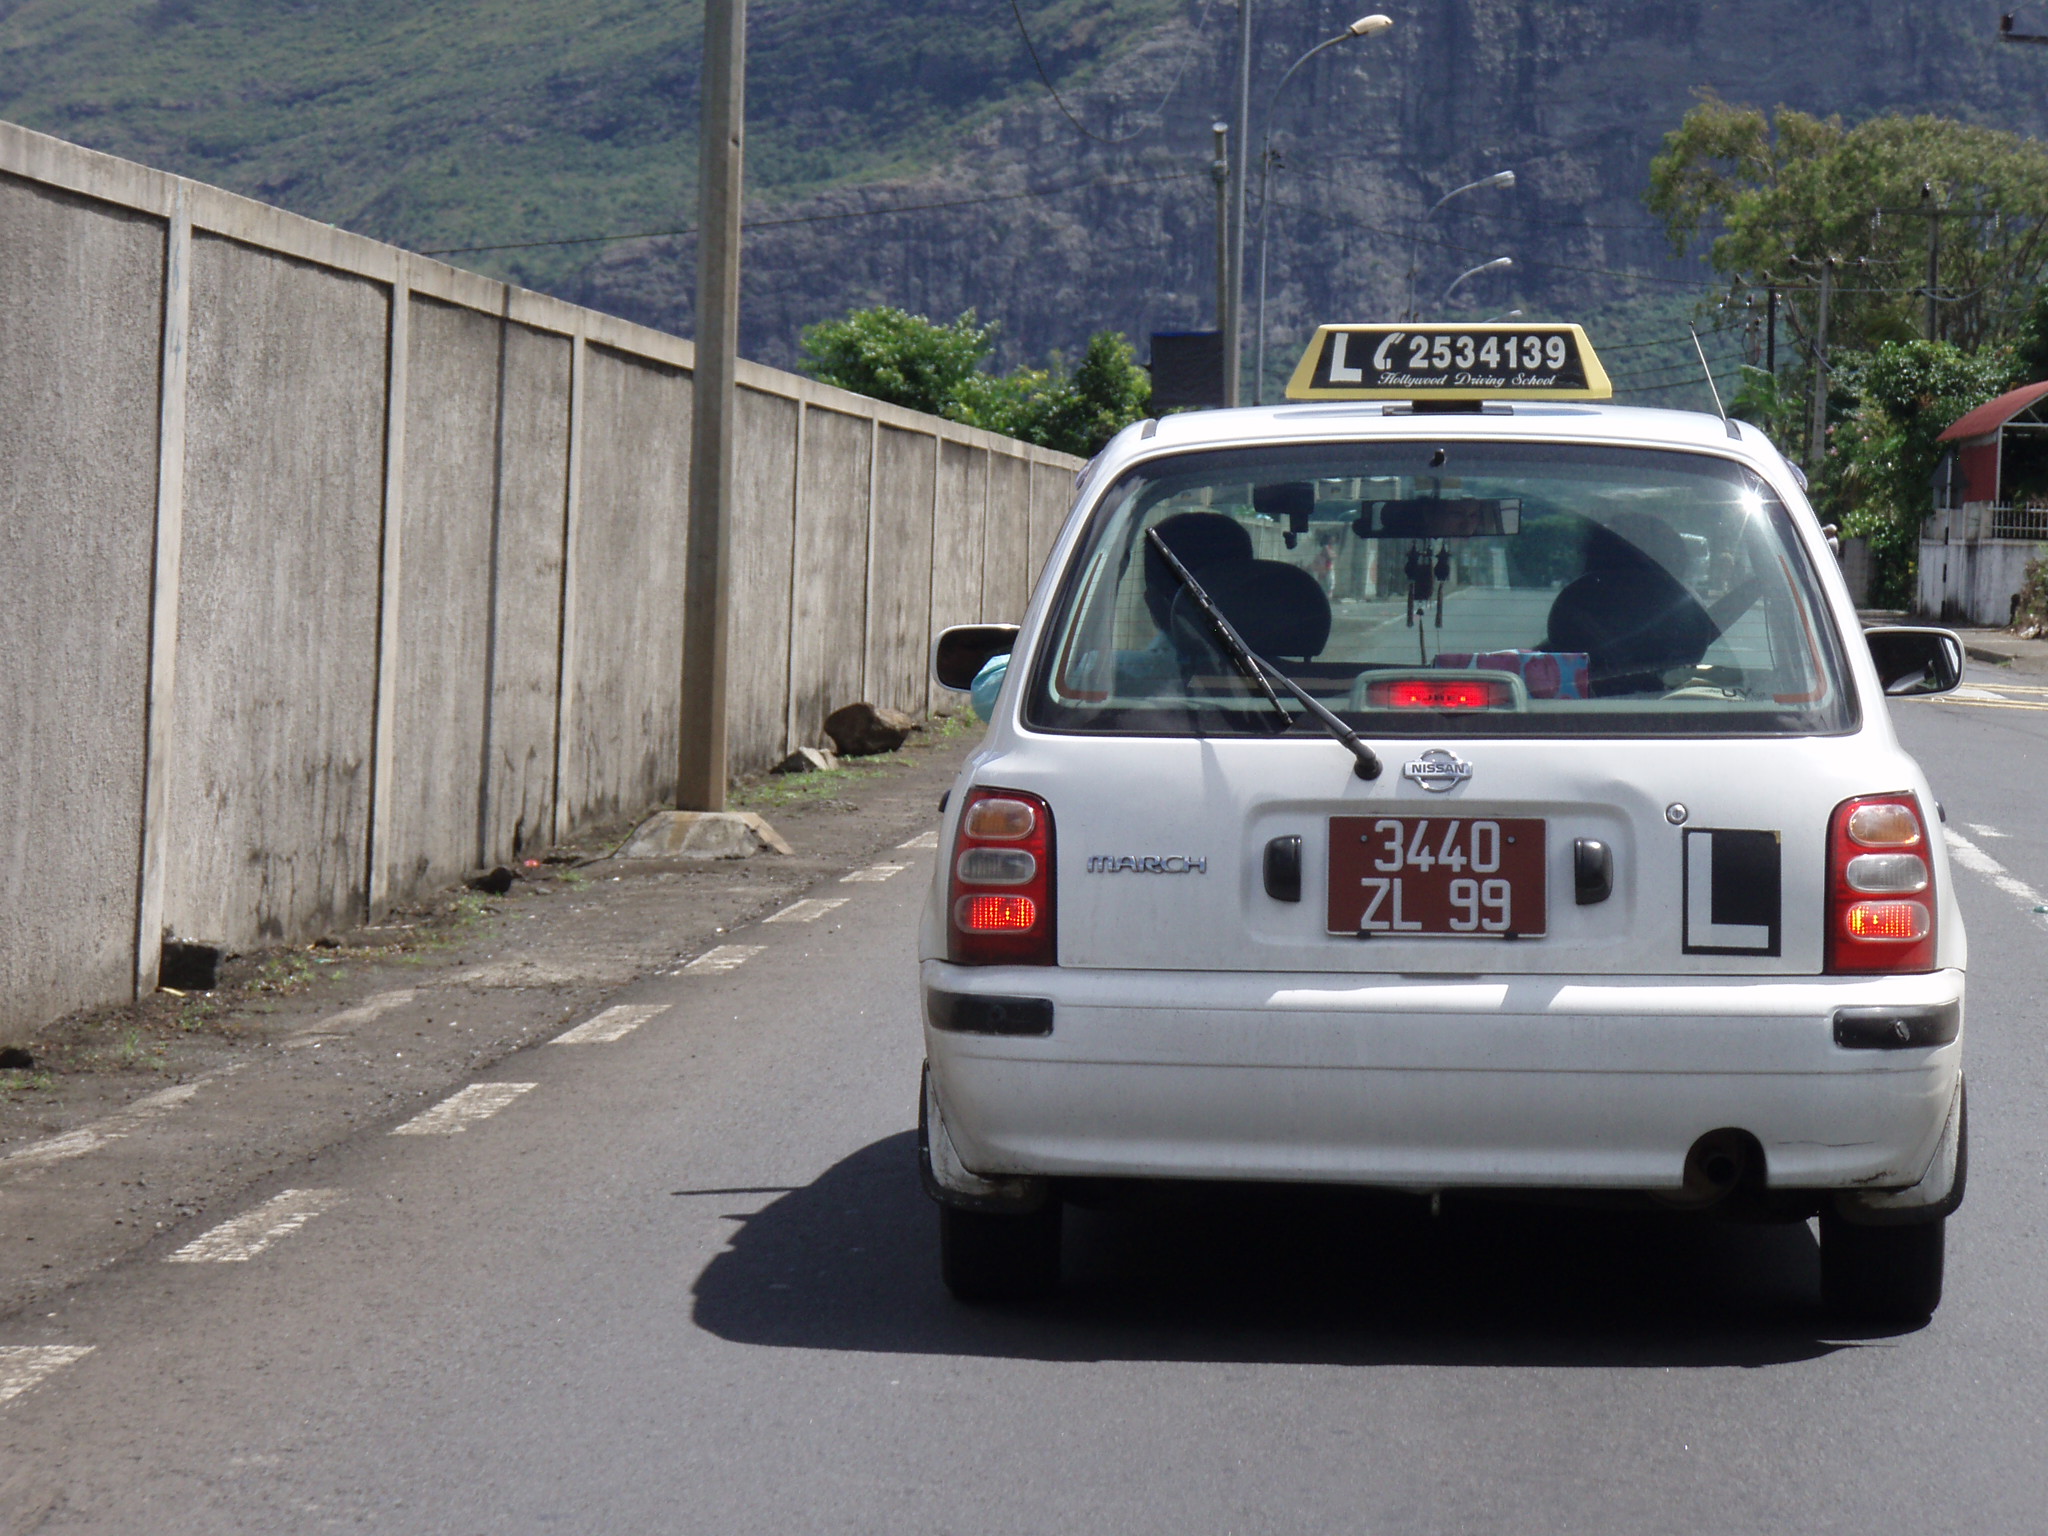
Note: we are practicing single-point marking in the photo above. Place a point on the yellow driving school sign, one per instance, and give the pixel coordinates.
(1449, 362)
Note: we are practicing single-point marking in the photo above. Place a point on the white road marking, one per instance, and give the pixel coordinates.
(615, 1023)
(872, 873)
(479, 1101)
(90, 1138)
(371, 1008)
(1983, 831)
(239, 1240)
(727, 957)
(1976, 860)
(923, 840)
(23, 1365)
(809, 910)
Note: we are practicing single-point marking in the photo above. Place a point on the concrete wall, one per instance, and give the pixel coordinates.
(333, 572)
(1974, 581)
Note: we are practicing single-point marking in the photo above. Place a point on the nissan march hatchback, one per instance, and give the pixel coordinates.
(1441, 783)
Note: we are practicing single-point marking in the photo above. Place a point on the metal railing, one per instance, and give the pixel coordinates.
(2016, 522)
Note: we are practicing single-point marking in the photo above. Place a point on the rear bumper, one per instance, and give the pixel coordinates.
(1510, 1082)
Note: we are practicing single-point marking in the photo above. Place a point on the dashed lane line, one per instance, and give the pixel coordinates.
(923, 840)
(1977, 861)
(809, 910)
(90, 1138)
(457, 1112)
(369, 1009)
(24, 1365)
(239, 1240)
(872, 874)
(727, 957)
(615, 1023)
(1981, 830)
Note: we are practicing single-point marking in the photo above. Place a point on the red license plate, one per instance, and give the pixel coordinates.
(1456, 876)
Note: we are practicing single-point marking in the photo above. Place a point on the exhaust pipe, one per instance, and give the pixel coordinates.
(1717, 1165)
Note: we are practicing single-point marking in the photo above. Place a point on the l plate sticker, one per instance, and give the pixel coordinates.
(1733, 892)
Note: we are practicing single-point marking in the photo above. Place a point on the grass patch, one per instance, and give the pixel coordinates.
(806, 788)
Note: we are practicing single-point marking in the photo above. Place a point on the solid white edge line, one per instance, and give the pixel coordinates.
(1977, 861)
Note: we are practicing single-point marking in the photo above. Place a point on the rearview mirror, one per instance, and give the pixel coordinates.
(1913, 661)
(964, 650)
(1432, 517)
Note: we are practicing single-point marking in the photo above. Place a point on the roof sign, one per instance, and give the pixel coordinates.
(1449, 362)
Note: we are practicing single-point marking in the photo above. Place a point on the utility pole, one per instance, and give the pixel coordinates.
(1771, 334)
(1219, 170)
(1933, 212)
(701, 767)
(1240, 141)
(1816, 445)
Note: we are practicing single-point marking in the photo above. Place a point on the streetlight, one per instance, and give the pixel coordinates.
(1365, 26)
(1498, 264)
(1502, 179)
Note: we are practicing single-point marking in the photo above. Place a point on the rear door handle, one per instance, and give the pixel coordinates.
(1592, 870)
(1283, 869)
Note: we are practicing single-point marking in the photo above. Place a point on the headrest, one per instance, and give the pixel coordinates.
(1199, 540)
(1279, 608)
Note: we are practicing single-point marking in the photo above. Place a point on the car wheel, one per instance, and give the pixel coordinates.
(1881, 1274)
(994, 1256)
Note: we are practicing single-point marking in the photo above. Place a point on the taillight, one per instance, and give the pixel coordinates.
(1880, 886)
(999, 896)
(1454, 693)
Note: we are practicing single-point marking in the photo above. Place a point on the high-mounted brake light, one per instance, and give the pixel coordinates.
(1459, 693)
(999, 895)
(1880, 886)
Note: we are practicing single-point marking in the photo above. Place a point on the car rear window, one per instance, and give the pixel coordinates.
(1446, 587)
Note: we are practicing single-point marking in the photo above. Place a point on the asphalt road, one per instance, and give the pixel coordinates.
(686, 1282)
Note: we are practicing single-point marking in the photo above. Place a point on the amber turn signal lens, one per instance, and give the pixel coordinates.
(1899, 922)
(1883, 826)
(999, 819)
(995, 914)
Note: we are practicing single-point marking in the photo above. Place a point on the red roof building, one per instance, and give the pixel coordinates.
(2000, 455)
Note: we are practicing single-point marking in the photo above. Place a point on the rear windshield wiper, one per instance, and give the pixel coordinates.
(1261, 671)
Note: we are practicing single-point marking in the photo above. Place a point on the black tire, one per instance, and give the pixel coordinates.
(985, 1256)
(1881, 1274)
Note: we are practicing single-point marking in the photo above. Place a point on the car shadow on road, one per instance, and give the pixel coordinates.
(850, 1261)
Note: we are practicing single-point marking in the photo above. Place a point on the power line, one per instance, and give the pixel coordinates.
(819, 218)
(1187, 58)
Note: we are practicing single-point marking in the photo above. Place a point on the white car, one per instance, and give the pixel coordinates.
(1444, 783)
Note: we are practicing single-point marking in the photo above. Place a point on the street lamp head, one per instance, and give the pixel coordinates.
(1501, 179)
(1366, 26)
(1498, 264)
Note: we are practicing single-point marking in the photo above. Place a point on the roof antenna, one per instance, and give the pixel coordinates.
(1712, 389)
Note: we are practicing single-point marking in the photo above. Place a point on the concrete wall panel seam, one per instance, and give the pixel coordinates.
(164, 590)
(867, 612)
(792, 739)
(390, 555)
(566, 658)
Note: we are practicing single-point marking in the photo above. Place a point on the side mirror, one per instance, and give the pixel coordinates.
(1912, 660)
(964, 650)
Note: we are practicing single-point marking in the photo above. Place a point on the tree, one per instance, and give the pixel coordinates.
(1884, 452)
(911, 361)
(1792, 190)
(888, 354)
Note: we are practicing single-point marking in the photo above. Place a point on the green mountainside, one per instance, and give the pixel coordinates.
(906, 152)
(457, 122)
